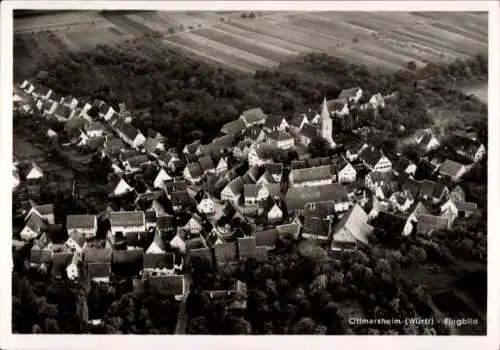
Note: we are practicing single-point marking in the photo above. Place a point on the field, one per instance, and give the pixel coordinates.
(386, 40)
(479, 91)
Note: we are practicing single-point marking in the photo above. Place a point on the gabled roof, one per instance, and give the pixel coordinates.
(150, 216)
(195, 170)
(78, 237)
(151, 144)
(377, 99)
(98, 270)
(321, 209)
(39, 256)
(353, 226)
(45, 209)
(274, 189)
(290, 231)
(137, 161)
(250, 190)
(274, 168)
(451, 168)
(273, 121)
(371, 156)
(81, 221)
(338, 163)
(389, 188)
(381, 176)
(427, 223)
(127, 218)
(297, 197)
(254, 172)
(253, 115)
(167, 285)
(225, 252)
(180, 198)
(266, 238)
(34, 167)
(308, 131)
(95, 255)
(311, 174)
(297, 119)
(236, 186)
(420, 208)
(59, 262)
(466, 206)
(253, 132)
(348, 93)
(462, 143)
(411, 185)
(336, 105)
(234, 126)
(279, 135)
(316, 226)
(127, 256)
(36, 223)
(299, 164)
(174, 186)
(158, 261)
(191, 148)
(246, 247)
(401, 164)
(206, 163)
(126, 129)
(165, 222)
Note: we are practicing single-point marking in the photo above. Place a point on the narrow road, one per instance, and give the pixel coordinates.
(182, 318)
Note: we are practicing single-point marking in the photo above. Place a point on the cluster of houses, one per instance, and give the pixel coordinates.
(195, 199)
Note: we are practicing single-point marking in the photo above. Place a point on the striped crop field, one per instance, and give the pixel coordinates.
(388, 40)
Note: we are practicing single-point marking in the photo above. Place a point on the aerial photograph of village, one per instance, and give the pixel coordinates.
(249, 172)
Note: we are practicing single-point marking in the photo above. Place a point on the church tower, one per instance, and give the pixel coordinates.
(325, 125)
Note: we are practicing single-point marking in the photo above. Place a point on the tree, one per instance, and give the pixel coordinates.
(251, 15)
(244, 15)
(318, 147)
(305, 325)
(412, 65)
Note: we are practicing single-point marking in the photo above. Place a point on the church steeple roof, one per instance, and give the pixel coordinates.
(324, 110)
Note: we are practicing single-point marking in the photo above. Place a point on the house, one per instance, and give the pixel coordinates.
(351, 95)
(34, 227)
(34, 172)
(45, 211)
(193, 173)
(75, 242)
(275, 169)
(153, 145)
(254, 134)
(266, 190)
(207, 164)
(386, 190)
(86, 224)
(127, 222)
(60, 260)
(351, 230)
(393, 224)
(452, 170)
(467, 147)
(353, 153)
(433, 191)
(174, 186)
(169, 285)
(180, 199)
(376, 101)
(338, 107)
(247, 247)
(48, 107)
(206, 206)
(167, 159)
(375, 179)
(401, 201)
(426, 223)
(106, 111)
(375, 160)
(260, 154)
(130, 135)
(425, 139)
(403, 165)
(306, 134)
(225, 253)
(119, 186)
(194, 225)
(298, 197)
(282, 139)
(267, 238)
(250, 193)
(218, 146)
(97, 261)
(321, 175)
(158, 245)
(69, 101)
(253, 116)
(232, 191)
(453, 210)
(63, 113)
(272, 211)
(342, 170)
(27, 86)
(192, 147)
(234, 127)
(321, 210)
(135, 163)
(41, 92)
(457, 194)
(158, 264)
(297, 122)
(150, 219)
(222, 166)
(289, 231)
(274, 123)
(160, 178)
(73, 268)
(266, 178)
(374, 206)
(316, 228)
